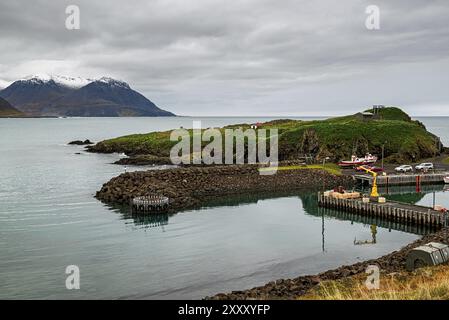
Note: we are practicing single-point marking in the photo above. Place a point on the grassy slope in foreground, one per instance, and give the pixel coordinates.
(6, 110)
(428, 283)
(337, 138)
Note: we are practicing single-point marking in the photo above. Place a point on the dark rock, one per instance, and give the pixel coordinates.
(144, 160)
(80, 142)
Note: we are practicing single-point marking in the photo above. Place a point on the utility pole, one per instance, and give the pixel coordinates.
(322, 230)
(433, 201)
(383, 153)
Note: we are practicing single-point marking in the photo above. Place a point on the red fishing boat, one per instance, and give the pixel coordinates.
(356, 161)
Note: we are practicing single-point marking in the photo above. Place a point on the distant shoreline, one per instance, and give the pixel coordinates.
(199, 117)
(56, 117)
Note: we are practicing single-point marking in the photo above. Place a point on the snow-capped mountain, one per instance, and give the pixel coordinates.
(71, 82)
(54, 95)
(113, 82)
(33, 94)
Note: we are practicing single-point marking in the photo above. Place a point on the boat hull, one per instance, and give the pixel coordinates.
(350, 164)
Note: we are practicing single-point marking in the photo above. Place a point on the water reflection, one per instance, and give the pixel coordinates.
(149, 220)
(141, 220)
(409, 190)
(310, 207)
(373, 240)
(383, 223)
(156, 220)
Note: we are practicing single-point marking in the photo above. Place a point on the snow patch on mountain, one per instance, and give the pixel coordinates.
(71, 82)
(114, 82)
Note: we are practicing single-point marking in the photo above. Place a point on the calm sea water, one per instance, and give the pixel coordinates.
(49, 219)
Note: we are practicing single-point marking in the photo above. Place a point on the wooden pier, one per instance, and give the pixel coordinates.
(391, 210)
(376, 220)
(403, 179)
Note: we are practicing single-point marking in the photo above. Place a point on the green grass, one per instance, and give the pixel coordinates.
(11, 113)
(330, 167)
(7, 110)
(392, 113)
(157, 143)
(430, 283)
(337, 138)
(446, 161)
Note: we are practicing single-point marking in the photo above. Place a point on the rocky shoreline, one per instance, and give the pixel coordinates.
(144, 160)
(192, 187)
(294, 288)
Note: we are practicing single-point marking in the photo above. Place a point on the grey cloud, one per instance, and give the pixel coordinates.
(251, 57)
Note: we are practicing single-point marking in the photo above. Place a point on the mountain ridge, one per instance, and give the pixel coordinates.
(55, 95)
(71, 82)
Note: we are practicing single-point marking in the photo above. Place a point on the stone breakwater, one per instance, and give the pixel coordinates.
(293, 288)
(192, 187)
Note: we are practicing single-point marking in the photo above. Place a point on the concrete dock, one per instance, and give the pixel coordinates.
(402, 179)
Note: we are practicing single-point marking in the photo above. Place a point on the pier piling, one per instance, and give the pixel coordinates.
(397, 212)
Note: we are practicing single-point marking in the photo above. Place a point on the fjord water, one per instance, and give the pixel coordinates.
(49, 219)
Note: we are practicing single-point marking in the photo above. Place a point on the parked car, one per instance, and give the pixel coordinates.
(404, 168)
(426, 166)
(372, 168)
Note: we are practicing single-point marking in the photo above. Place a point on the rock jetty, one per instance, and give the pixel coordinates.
(190, 187)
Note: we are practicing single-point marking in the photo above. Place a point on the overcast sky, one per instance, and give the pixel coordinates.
(250, 57)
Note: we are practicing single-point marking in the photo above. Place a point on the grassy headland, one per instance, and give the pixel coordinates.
(337, 138)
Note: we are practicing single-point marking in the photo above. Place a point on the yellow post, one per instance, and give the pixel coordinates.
(374, 188)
